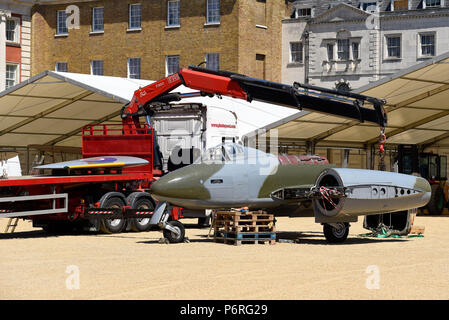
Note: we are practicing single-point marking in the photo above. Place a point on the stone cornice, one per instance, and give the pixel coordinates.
(5, 14)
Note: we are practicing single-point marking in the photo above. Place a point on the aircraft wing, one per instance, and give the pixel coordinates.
(97, 162)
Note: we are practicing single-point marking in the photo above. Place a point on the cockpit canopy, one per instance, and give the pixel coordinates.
(224, 153)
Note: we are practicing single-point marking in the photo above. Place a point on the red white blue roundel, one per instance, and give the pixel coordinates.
(99, 160)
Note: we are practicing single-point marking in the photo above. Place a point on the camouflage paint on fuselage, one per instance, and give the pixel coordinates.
(292, 175)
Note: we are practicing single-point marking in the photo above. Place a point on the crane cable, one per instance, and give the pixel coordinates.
(382, 141)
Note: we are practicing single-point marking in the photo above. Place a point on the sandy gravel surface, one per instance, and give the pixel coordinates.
(135, 266)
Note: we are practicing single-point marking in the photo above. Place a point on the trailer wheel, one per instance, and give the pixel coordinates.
(337, 232)
(172, 237)
(112, 225)
(141, 224)
(436, 203)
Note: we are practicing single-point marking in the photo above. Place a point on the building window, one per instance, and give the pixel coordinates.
(213, 11)
(427, 44)
(135, 16)
(61, 23)
(11, 75)
(260, 13)
(355, 51)
(400, 5)
(368, 6)
(330, 51)
(432, 3)
(213, 61)
(171, 65)
(98, 19)
(173, 13)
(393, 47)
(12, 30)
(96, 67)
(296, 52)
(343, 49)
(303, 12)
(134, 68)
(61, 66)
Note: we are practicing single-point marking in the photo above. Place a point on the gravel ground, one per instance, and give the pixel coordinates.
(135, 266)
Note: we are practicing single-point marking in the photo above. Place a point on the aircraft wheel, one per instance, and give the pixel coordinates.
(142, 224)
(337, 232)
(112, 225)
(171, 236)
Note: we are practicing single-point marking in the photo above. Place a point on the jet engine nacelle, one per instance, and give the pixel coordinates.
(354, 192)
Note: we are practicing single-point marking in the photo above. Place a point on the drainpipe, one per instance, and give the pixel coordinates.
(306, 56)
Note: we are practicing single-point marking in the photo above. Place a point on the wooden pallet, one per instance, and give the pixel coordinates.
(234, 227)
(240, 242)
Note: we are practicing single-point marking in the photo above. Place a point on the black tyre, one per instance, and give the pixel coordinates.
(436, 203)
(172, 237)
(336, 234)
(112, 225)
(141, 224)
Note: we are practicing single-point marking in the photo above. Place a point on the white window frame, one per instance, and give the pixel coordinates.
(300, 12)
(420, 54)
(130, 17)
(92, 67)
(366, 3)
(167, 61)
(328, 46)
(348, 53)
(211, 13)
(177, 17)
(16, 31)
(100, 30)
(300, 52)
(387, 54)
(131, 72)
(213, 61)
(61, 29)
(16, 75)
(351, 45)
(61, 63)
(425, 5)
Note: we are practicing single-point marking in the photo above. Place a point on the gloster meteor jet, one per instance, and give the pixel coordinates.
(233, 176)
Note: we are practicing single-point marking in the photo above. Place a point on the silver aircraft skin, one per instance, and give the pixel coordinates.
(234, 176)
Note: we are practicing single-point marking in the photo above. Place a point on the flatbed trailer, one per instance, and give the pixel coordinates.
(96, 197)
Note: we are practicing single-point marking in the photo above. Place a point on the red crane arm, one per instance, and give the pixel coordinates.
(204, 82)
(234, 85)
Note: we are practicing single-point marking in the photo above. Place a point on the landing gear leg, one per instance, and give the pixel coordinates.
(174, 231)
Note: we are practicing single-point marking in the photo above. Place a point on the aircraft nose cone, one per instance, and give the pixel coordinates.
(184, 183)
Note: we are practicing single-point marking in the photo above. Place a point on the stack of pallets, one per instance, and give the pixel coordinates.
(235, 227)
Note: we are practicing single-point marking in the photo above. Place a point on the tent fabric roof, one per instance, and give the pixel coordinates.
(52, 108)
(417, 109)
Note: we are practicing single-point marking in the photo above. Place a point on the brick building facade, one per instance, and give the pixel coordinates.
(150, 39)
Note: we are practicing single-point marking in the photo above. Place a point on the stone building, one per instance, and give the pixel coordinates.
(15, 45)
(151, 39)
(349, 44)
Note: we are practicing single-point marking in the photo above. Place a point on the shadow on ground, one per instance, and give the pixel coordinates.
(309, 237)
